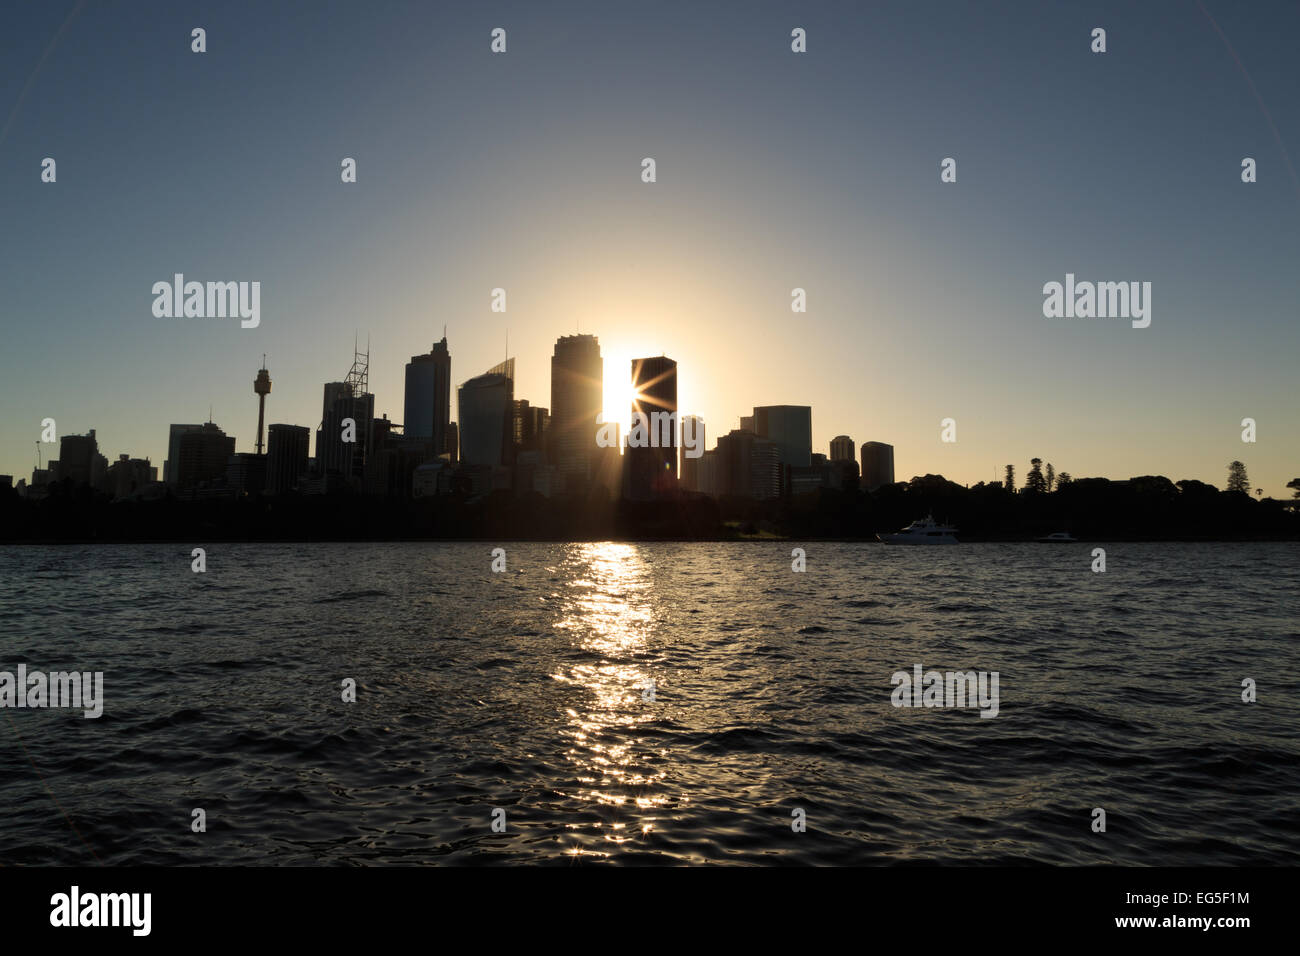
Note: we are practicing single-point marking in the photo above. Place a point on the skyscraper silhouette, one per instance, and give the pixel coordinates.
(347, 400)
(427, 407)
(486, 414)
(652, 463)
(577, 397)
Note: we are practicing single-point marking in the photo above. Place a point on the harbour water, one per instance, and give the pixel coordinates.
(655, 703)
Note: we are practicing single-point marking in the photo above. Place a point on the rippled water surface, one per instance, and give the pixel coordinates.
(528, 691)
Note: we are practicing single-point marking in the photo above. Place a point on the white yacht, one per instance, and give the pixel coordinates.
(924, 531)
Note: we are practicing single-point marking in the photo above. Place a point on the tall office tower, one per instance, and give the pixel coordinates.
(174, 433)
(262, 388)
(877, 465)
(790, 426)
(748, 466)
(842, 448)
(577, 397)
(327, 458)
(349, 399)
(286, 457)
(692, 431)
(334, 391)
(78, 456)
(427, 410)
(333, 453)
(652, 461)
(203, 456)
(484, 414)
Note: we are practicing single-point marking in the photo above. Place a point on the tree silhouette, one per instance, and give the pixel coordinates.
(1035, 483)
(1237, 480)
(1294, 483)
(1051, 476)
(1063, 479)
(1010, 483)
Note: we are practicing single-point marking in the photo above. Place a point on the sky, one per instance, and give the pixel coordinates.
(775, 170)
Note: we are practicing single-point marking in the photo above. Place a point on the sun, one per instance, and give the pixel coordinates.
(618, 393)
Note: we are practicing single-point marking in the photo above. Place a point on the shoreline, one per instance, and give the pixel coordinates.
(40, 542)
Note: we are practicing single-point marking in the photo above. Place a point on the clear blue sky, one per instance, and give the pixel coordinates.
(775, 170)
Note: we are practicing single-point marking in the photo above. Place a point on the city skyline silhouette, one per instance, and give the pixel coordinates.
(775, 171)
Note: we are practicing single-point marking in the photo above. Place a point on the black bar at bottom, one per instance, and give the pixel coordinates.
(335, 905)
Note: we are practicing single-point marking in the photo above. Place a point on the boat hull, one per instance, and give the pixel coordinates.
(915, 539)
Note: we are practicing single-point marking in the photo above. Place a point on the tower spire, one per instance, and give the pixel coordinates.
(262, 387)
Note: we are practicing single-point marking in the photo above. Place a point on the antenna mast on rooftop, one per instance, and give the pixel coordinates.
(358, 379)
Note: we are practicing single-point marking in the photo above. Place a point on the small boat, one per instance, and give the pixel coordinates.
(1060, 537)
(924, 531)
